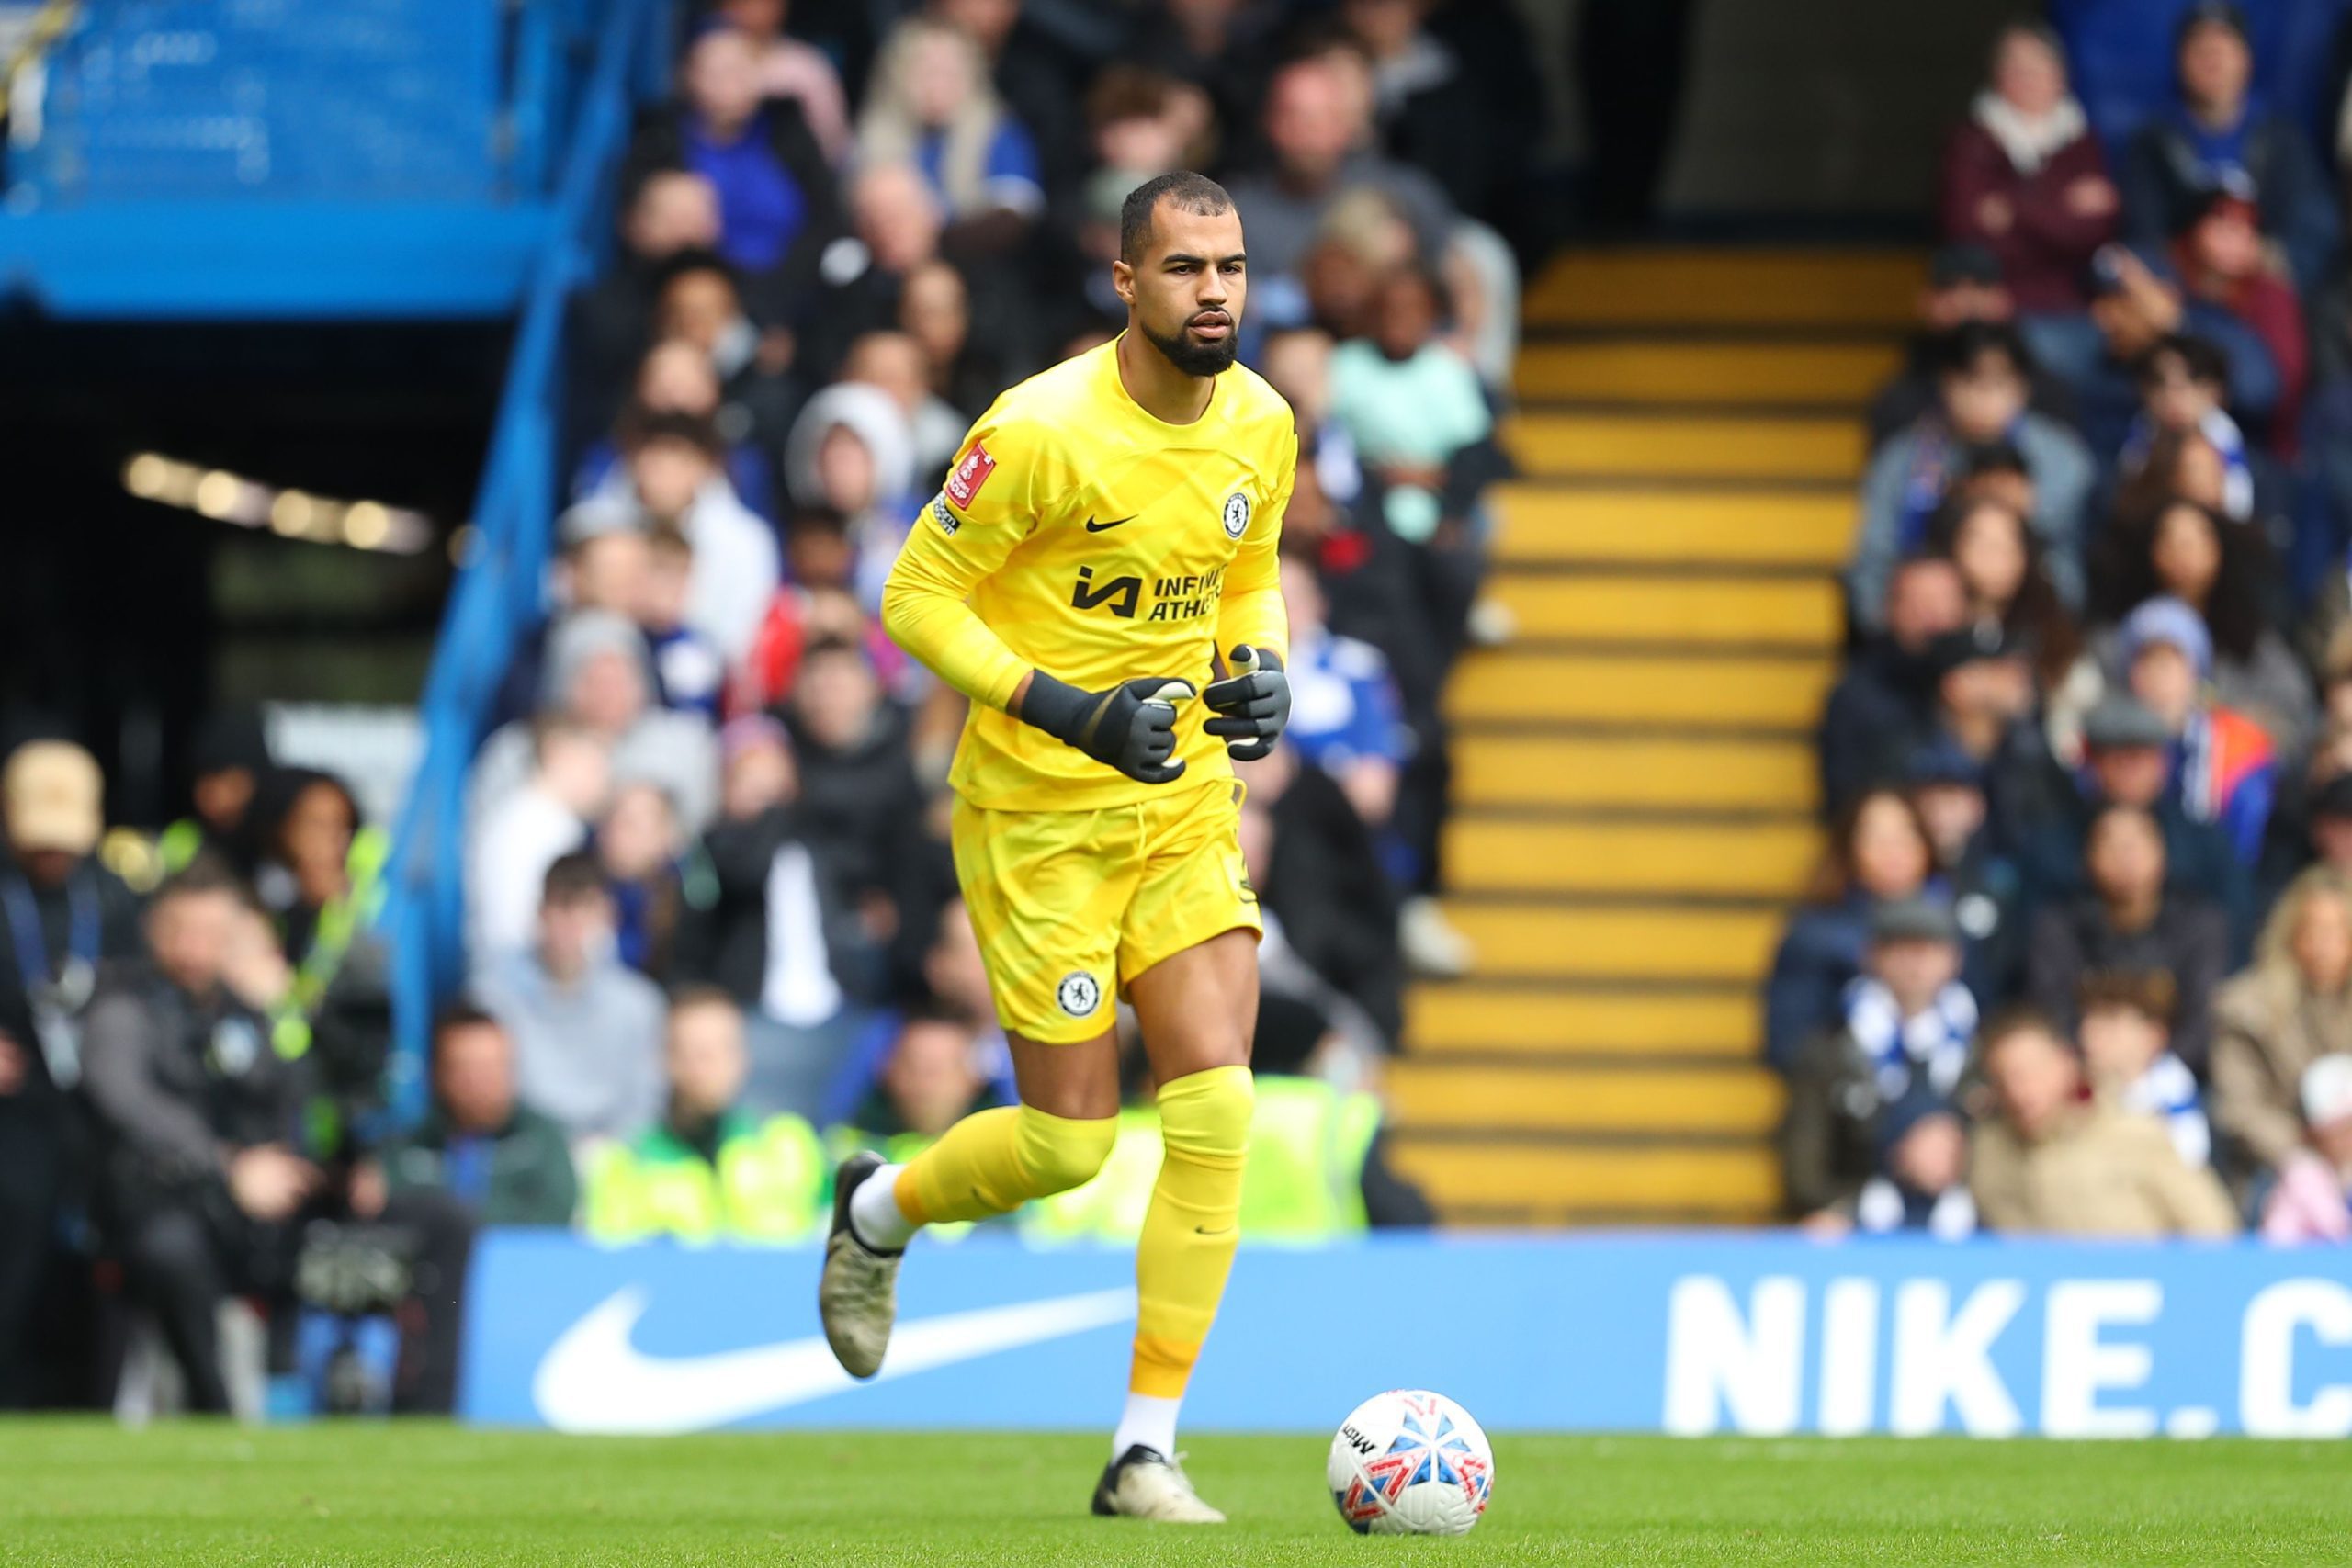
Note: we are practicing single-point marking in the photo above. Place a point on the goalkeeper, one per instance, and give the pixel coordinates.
(1098, 575)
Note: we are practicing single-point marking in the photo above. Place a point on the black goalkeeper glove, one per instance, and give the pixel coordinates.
(1252, 704)
(1131, 727)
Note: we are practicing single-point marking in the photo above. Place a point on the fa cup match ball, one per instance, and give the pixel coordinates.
(1410, 1462)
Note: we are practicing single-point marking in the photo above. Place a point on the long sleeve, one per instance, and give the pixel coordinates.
(1252, 609)
(2247, 1102)
(1878, 537)
(2191, 1197)
(927, 611)
(169, 1134)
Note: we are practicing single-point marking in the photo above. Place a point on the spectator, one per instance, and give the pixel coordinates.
(935, 310)
(2128, 923)
(710, 1168)
(895, 362)
(676, 377)
(2008, 583)
(672, 476)
(2222, 262)
(2218, 132)
(776, 190)
(2273, 1022)
(1332, 916)
(1981, 398)
(2126, 1036)
(857, 780)
(2137, 302)
(1982, 704)
(689, 667)
(2053, 1160)
(787, 68)
(67, 917)
(668, 213)
(1888, 687)
(853, 452)
(586, 1028)
(1318, 1152)
(929, 103)
(2225, 768)
(2183, 382)
(1346, 716)
(895, 232)
(2189, 554)
(2128, 764)
(2331, 823)
(528, 830)
(1946, 787)
(1316, 134)
(1429, 112)
(1414, 411)
(505, 1162)
(772, 918)
(751, 348)
(597, 678)
(323, 886)
(637, 846)
(229, 759)
(932, 1079)
(1872, 1140)
(1880, 853)
(1028, 68)
(1963, 286)
(2024, 178)
(2310, 1201)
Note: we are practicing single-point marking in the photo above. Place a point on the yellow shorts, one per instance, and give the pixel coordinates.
(1069, 906)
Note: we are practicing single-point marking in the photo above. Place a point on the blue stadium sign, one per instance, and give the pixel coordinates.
(1753, 1333)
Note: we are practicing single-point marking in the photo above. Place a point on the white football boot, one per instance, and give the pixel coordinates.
(857, 1296)
(1144, 1484)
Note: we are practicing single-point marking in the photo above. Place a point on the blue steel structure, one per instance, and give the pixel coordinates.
(354, 160)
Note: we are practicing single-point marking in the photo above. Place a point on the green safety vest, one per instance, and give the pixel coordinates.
(1304, 1181)
(768, 1185)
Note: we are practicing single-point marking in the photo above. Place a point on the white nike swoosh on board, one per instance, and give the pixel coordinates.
(593, 1380)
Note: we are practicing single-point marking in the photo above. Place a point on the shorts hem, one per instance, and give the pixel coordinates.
(1161, 952)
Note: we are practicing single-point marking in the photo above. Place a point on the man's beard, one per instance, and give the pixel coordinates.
(1194, 358)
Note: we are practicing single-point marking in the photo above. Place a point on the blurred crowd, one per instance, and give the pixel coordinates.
(712, 925)
(2079, 960)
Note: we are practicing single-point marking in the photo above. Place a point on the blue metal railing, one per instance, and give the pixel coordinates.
(497, 594)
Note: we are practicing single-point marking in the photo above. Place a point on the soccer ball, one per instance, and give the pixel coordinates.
(1410, 1462)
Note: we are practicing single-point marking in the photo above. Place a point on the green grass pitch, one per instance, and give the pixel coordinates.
(77, 1491)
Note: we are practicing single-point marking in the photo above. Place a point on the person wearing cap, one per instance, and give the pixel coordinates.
(2223, 262)
(2024, 177)
(2225, 768)
(1981, 397)
(1887, 687)
(2127, 922)
(597, 675)
(1895, 1059)
(2286, 1011)
(1947, 789)
(2218, 130)
(66, 916)
(2311, 1200)
(2053, 1158)
(229, 759)
(1963, 285)
(2127, 761)
(2126, 1040)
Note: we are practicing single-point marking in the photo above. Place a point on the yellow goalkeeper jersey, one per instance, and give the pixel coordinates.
(1079, 534)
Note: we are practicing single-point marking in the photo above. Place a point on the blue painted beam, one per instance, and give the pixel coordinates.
(265, 261)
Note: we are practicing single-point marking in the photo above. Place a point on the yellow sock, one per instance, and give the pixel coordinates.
(1189, 1232)
(994, 1161)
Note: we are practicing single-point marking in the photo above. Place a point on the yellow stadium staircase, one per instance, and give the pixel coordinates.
(1635, 794)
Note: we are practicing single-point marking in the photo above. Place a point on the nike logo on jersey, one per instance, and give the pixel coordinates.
(594, 1379)
(1094, 527)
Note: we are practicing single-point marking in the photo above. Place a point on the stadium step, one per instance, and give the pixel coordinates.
(1645, 857)
(1795, 450)
(1523, 688)
(1634, 773)
(1822, 291)
(1687, 607)
(1695, 774)
(1554, 525)
(1583, 1021)
(1705, 374)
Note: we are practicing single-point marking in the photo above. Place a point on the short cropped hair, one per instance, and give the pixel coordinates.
(1189, 191)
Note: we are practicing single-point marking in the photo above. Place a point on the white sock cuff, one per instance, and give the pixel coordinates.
(874, 1211)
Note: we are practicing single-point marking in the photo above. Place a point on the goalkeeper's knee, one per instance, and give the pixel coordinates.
(1058, 1153)
(1205, 1118)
